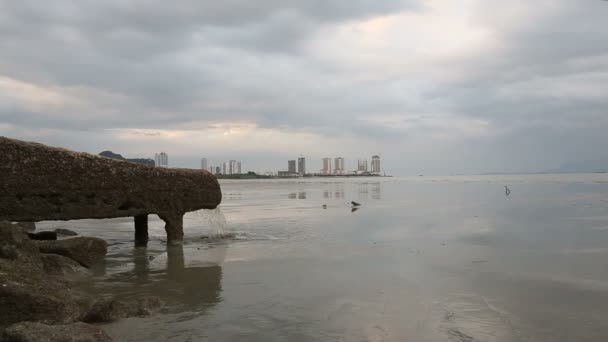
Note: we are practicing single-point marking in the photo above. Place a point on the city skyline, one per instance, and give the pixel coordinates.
(330, 166)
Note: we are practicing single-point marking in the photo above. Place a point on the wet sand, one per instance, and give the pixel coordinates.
(423, 259)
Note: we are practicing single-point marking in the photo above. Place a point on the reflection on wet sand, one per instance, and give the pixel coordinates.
(184, 278)
(336, 190)
(298, 195)
(376, 190)
(370, 190)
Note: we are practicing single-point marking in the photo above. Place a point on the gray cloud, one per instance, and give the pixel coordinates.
(529, 98)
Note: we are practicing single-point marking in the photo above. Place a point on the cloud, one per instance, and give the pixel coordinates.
(457, 87)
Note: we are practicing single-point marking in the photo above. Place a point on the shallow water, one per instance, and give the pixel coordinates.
(423, 259)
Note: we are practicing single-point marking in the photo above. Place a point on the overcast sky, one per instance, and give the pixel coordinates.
(434, 86)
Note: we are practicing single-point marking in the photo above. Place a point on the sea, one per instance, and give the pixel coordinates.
(420, 259)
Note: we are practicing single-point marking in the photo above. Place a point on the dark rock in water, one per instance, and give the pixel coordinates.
(46, 183)
(110, 310)
(87, 251)
(43, 236)
(59, 265)
(27, 293)
(38, 332)
(65, 232)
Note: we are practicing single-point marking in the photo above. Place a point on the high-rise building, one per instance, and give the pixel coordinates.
(302, 166)
(376, 164)
(291, 166)
(326, 170)
(218, 170)
(362, 165)
(232, 167)
(161, 160)
(204, 163)
(339, 166)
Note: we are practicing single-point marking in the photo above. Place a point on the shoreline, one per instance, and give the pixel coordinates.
(248, 177)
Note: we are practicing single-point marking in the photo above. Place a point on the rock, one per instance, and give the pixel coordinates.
(46, 183)
(109, 310)
(59, 265)
(87, 251)
(146, 306)
(43, 236)
(15, 245)
(27, 293)
(38, 332)
(27, 296)
(65, 232)
(28, 227)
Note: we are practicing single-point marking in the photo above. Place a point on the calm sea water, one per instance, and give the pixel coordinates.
(423, 259)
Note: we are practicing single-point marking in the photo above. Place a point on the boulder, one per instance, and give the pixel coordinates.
(31, 295)
(109, 310)
(15, 245)
(59, 265)
(87, 251)
(27, 293)
(65, 232)
(38, 332)
(28, 227)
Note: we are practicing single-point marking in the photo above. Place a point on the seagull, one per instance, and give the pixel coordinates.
(507, 191)
(355, 204)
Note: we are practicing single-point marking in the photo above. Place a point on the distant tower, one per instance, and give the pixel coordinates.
(362, 165)
(326, 166)
(291, 166)
(204, 163)
(234, 167)
(376, 164)
(161, 160)
(339, 166)
(302, 166)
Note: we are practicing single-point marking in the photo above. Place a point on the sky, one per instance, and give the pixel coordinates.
(433, 86)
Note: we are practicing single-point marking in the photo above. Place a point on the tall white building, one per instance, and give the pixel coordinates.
(234, 167)
(362, 165)
(339, 166)
(204, 163)
(326, 170)
(161, 160)
(376, 164)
